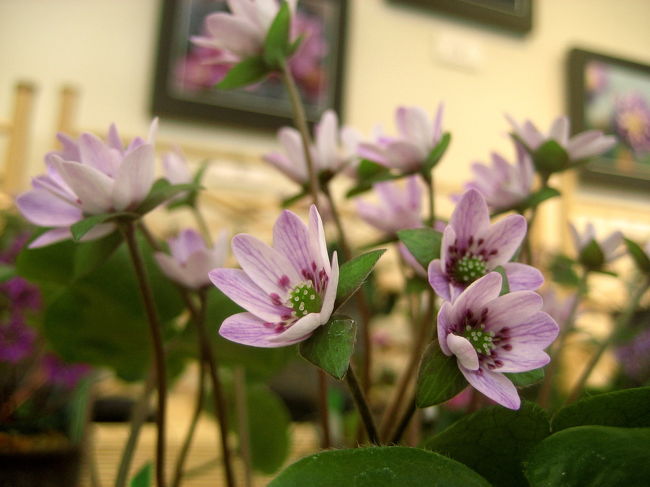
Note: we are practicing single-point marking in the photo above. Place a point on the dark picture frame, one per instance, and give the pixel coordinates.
(513, 15)
(612, 94)
(183, 86)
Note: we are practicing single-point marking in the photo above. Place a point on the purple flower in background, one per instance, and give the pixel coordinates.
(191, 260)
(306, 64)
(418, 135)
(398, 208)
(329, 153)
(240, 34)
(195, 71)
(596, 78)
(21, 294)
(472, 246)
(17, 340)
(88, 177)
(61, 374)
(602, 253)
(504, 185)
(581, 146)
(288, 290)
(491, 335)
(631, 121)
(634, 357)
(175, 168)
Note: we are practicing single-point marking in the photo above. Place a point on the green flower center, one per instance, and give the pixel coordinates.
(480, 339)
(304, 300)
(468, 269)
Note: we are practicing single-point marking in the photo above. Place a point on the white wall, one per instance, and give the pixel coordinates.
(107, 47)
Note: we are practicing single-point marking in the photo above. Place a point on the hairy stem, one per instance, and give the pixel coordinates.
(300, 121)
(128, 231)
(323, 409)
(362, 406)
(403, 424)
(243, 427)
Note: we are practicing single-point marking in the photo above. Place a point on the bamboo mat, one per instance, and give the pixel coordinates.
(109, 440)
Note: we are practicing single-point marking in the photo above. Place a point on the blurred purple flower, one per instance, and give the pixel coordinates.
(306, 64)
(596, 78)
(21, 294)
(581, 146)
(88, 177)
(418, 135)
(609, 248)
(288, 290)
(399, 207)
(491, 335)
(330, 152)
(17, 340)
(191, 260)
(559, 309)
(240, 33)
(472, 246)
(60, 374)
(631, 121)
(634, 357)
(504, 185)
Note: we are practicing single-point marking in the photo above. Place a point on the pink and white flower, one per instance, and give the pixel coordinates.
(418, 135)
(581, 146)
(330, 152)
(504, 185)
(491, 335)
(88, 177)
(288, 289)
(240, 33)
(191, 260)
(399, 207)
(472, 246)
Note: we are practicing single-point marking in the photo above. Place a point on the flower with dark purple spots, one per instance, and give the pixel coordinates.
(491, 335)
(288, 289)
(472, 246)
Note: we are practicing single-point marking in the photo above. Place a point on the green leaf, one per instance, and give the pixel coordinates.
(538, 197)
(639, 256)
(369, 173)
(494, 441)
(276, 44)
(591, 256)
(91, 255)
(162, 191)
(525, 379)
(386, 466)
(287, 202)
(144, 477)
(100, 319)
(247, 72)
(423, 243)
(331, 346)
(48, 265)
(627, 408)
(550, 157)
(563, 272)
(82, 227)
(6, 272)
(439, 378)
(591, 456)
(505, 284)
(436, 154)
(353, 273)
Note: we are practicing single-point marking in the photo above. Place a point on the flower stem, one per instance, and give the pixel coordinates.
(203, 226)
(619, 325)
(300, 121)
(403, 424)
(410, 371)
(362, 406)
(243, 427)
(138, 417)
(185, 448)
(546, 389)
(326, 440)
(428, 180)
(209, 358)
(128, 230)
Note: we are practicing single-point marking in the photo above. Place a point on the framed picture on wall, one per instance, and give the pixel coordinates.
(185, 79)
(514, 15)
(613, 95)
